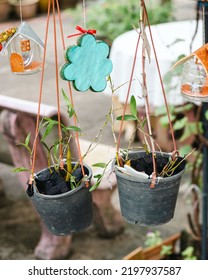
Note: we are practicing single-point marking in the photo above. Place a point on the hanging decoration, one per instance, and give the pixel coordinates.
(194, 79)
(87, 63)
(24, 49)
(65, 208)
(5, 35)
(147, 200)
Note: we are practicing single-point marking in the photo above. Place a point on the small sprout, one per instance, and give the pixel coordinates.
(153, 238)
(19, 169)
(166, 250)
(100, 164)
(188, 253)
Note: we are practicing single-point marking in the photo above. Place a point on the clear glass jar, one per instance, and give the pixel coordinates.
(194, 79)
(30, 58)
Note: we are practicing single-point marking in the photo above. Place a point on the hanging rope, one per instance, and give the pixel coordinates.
(53, 3)
(40, 95)
(127, 98)
(144, 21)
(175, 152)
(57, 87)
(20, 9)
(71, 94)
(146, 98)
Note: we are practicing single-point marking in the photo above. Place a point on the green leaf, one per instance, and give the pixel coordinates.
(94, 186)
(27, 147)
(70, 108)
(65, 97)
(27, 140)
(98, 176)
(127, 118)
(206, 115)
(20, 169)
(133, 106)
(160, 111)
(182, 109)
(143, 122)
(45, 145)
(72, 127)
(165, 121)
(100, 164)
(50, 125)
(56, 147)
(185, 150)
(49, 120)
(72, 182)
(191, 129)
(181, 56)
(179, 124)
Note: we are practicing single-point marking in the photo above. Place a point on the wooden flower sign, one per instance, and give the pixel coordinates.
(24, 49)
(194, 80)
(87, 64)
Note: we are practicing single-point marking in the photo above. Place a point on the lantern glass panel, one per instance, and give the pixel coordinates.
(194, 78)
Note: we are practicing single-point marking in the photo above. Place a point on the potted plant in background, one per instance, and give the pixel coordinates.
(118, 17)
(24, 8)
(4, 10)
(157, 248)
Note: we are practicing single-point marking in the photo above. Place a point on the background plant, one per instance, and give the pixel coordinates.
(111, 17)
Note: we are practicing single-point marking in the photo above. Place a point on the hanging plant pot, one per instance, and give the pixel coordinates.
(66, 211)
(141, 204)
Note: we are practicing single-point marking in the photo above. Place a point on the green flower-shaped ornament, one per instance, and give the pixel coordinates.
(87, 64)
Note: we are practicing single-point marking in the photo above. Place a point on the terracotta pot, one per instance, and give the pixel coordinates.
(4, 10)
(29, 8)
(153, 252)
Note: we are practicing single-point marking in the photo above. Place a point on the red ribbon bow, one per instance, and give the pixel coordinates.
(83, 31)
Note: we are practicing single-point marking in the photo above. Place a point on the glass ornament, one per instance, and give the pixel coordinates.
(25, 50)
(194, 81)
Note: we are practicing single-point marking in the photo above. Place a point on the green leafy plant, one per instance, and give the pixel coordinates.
(46, 127)
(166, 250)
(153, 238)
(188, 253)
(117, 17)
(172, 164)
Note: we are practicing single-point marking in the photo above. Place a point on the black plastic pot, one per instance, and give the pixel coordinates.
(64, 213)
(143, 205)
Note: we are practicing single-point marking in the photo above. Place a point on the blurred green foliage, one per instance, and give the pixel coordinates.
(112, 17)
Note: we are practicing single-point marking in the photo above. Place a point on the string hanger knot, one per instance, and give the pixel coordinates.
(83, 31)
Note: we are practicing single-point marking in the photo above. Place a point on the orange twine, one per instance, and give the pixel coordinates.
(40, 97)
(175, 152)
(57, 90)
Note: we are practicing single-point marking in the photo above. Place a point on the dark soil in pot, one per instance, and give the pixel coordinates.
(145, 163)
(52, 182)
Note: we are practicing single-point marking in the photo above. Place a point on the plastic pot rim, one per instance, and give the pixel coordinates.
(62, 195)
(148, 180)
